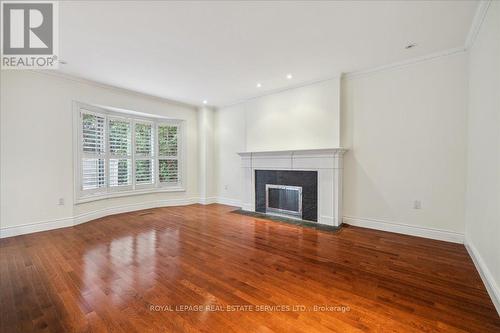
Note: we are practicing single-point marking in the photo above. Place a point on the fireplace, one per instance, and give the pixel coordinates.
(291, 193)
(284, 200)
(318, 172)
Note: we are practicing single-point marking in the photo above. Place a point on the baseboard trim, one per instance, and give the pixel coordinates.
(91, 215)
(208, 201)
(36, 227)
(327, 220)
(486, 275)
(228, 201)
(96, 214)
(405, 229)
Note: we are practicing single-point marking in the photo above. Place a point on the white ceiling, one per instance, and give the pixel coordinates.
(218, 51)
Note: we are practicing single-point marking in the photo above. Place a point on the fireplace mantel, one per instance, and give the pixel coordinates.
(327, 162)
(317, 152)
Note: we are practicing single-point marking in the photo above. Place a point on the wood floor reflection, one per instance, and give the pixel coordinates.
(154, 270)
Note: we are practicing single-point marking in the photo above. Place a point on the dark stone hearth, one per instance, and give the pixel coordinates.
(308, 180)
(301, 223)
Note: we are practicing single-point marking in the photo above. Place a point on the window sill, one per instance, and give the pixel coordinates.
(118, 194)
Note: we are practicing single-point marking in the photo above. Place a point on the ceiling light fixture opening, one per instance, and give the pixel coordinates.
(289, 76)
(205, 101)
(259, 85)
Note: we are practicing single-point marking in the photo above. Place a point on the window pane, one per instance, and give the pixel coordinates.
(168, 171)
(92, 133)
(143, 139)
(167, 140)
(144, 172)
(93, 173)
(119, 137)
(119, 172)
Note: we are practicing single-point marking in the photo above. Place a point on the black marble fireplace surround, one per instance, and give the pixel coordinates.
(308, 180)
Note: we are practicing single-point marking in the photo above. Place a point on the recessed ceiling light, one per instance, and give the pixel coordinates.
(410, 46)
(259, 85)
(205, 101)
(289, 76)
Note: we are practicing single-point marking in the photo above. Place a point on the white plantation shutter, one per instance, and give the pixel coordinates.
(168, 153)
(119, 137)
(120, 153)
(144, 171)
(93, 157)
(93, 133)
(144, 148)
(143, 139)
(93, 173)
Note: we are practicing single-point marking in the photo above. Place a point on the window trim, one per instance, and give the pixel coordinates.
(107, 192)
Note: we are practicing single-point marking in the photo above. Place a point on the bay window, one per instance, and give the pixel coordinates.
(124, 154)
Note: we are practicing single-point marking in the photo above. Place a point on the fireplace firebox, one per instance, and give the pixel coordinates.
(292, 193)
(284, 200)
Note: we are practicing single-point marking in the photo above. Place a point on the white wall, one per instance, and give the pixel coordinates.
(206, 173)
(230, 138)
(37, 152)
(300, 118)
(405, 130)
(483, 153)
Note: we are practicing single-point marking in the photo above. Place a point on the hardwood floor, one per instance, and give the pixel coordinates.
(120, 274)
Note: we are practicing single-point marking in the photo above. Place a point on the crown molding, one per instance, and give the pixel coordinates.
(405, 63)
(477, 22)
(93, 83)
(356, 74)
(279, 90)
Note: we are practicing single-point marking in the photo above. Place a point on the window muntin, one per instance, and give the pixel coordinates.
(122, 153)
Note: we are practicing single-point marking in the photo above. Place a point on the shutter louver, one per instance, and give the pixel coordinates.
(168, 154)
(93, 146)
(120, 149)
(93, 173)
(167, 140)
(119, 172)
(93, 133)
(143, 139)
(144, 172)
(168, 171)
(119, 137)
(144, 148)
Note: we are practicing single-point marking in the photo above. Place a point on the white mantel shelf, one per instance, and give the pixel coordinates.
(328, 163)
(321, 151)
